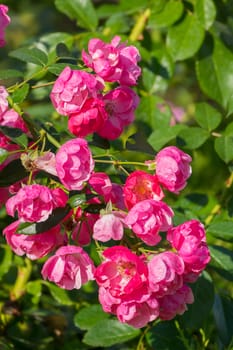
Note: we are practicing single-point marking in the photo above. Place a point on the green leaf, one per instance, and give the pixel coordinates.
(3, 155)
(32, 55)
(161, 136)
(207, 116)
(89, 316)
(5, 259)
(34, 288)
(214, 70)
(20, 94)
(203, 291)
(206, 12)
(185, 38)
(54, 219)
(76, 200)
(222, 261)
(221, 230)
(82, 11)
(59, 294)
(10, 73)
(57, 68)
(192, 137)
(224, 147)
(169, 15)
(223, 315)
(109, 332)
(13, 172)
(16, 135)
(164, 336)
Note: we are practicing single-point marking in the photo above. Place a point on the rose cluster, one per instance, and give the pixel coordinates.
(146, 271)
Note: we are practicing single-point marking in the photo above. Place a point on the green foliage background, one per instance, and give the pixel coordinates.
(187, 61)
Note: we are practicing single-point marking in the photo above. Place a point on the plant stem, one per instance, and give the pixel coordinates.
(140, 25)
(118, 162)
(23, 276)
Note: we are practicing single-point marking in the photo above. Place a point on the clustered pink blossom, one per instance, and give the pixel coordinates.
(145, 273)
(4, 21)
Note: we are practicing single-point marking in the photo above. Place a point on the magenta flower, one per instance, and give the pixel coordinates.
(33, 203)
(139, 186)
(173, 168)
(72, 89)
(34, 246)
(114, 62)
(147, 218)
(3, 98)
(120, 105)
(189, 239)
(69, 268)
(175, 304)
(74, 163)
(83, 227)
(4, 21)
(165, 273)
(89, 119)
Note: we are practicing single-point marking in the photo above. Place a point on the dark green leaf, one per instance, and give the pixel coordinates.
(207, 116)
(206, 12)
(57, 68)
(203, 291)
(221, 230)
(223, 314)
(185, 38)
(109, 332)
(169, 15)
(33, 55)
(54, 219)
(3, 155)
(89, 316)
(164, 336)
(34, 288)
(10, 73)
(215, 71)
(222, 261)
(193, 137)
(82, 11)
(13, 172)
(224, 147)
(16, 135)
(59, 294)
(20, 94)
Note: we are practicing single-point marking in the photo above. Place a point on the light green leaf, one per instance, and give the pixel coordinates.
(224, 147)
(34, 288)
(10, 73)
(169, 15)
(59, 294)
(20, 94)
(5, 258)
(222, 261)
(214, 70)
(89, 316)
(206, 12)
(82, 11)
(207, 116)
(203, 291)
(193, 137)
(161, 136)
(221, 230)
(3, 155)
(185, 38)
(57, 68)
(33, 55)
(109, 332)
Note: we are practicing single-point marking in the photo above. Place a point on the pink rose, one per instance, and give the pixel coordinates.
(123, 274)
(175, 304)
(74, 163)
(120, 105)
(89, 119)
(116, 196)
(139, 186)
(114, 62)
(137, 314)
(71, 90)
(100, 184)
(34, 246)
(33, 203)
(69, 268)
(4, 21)
(147, 218)
(165, 273)
(6, 144)
(83, 227)
(109, 226)
(46, 162)
(3, 96)
(173, 168)
(189, 239)
(12, 119)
